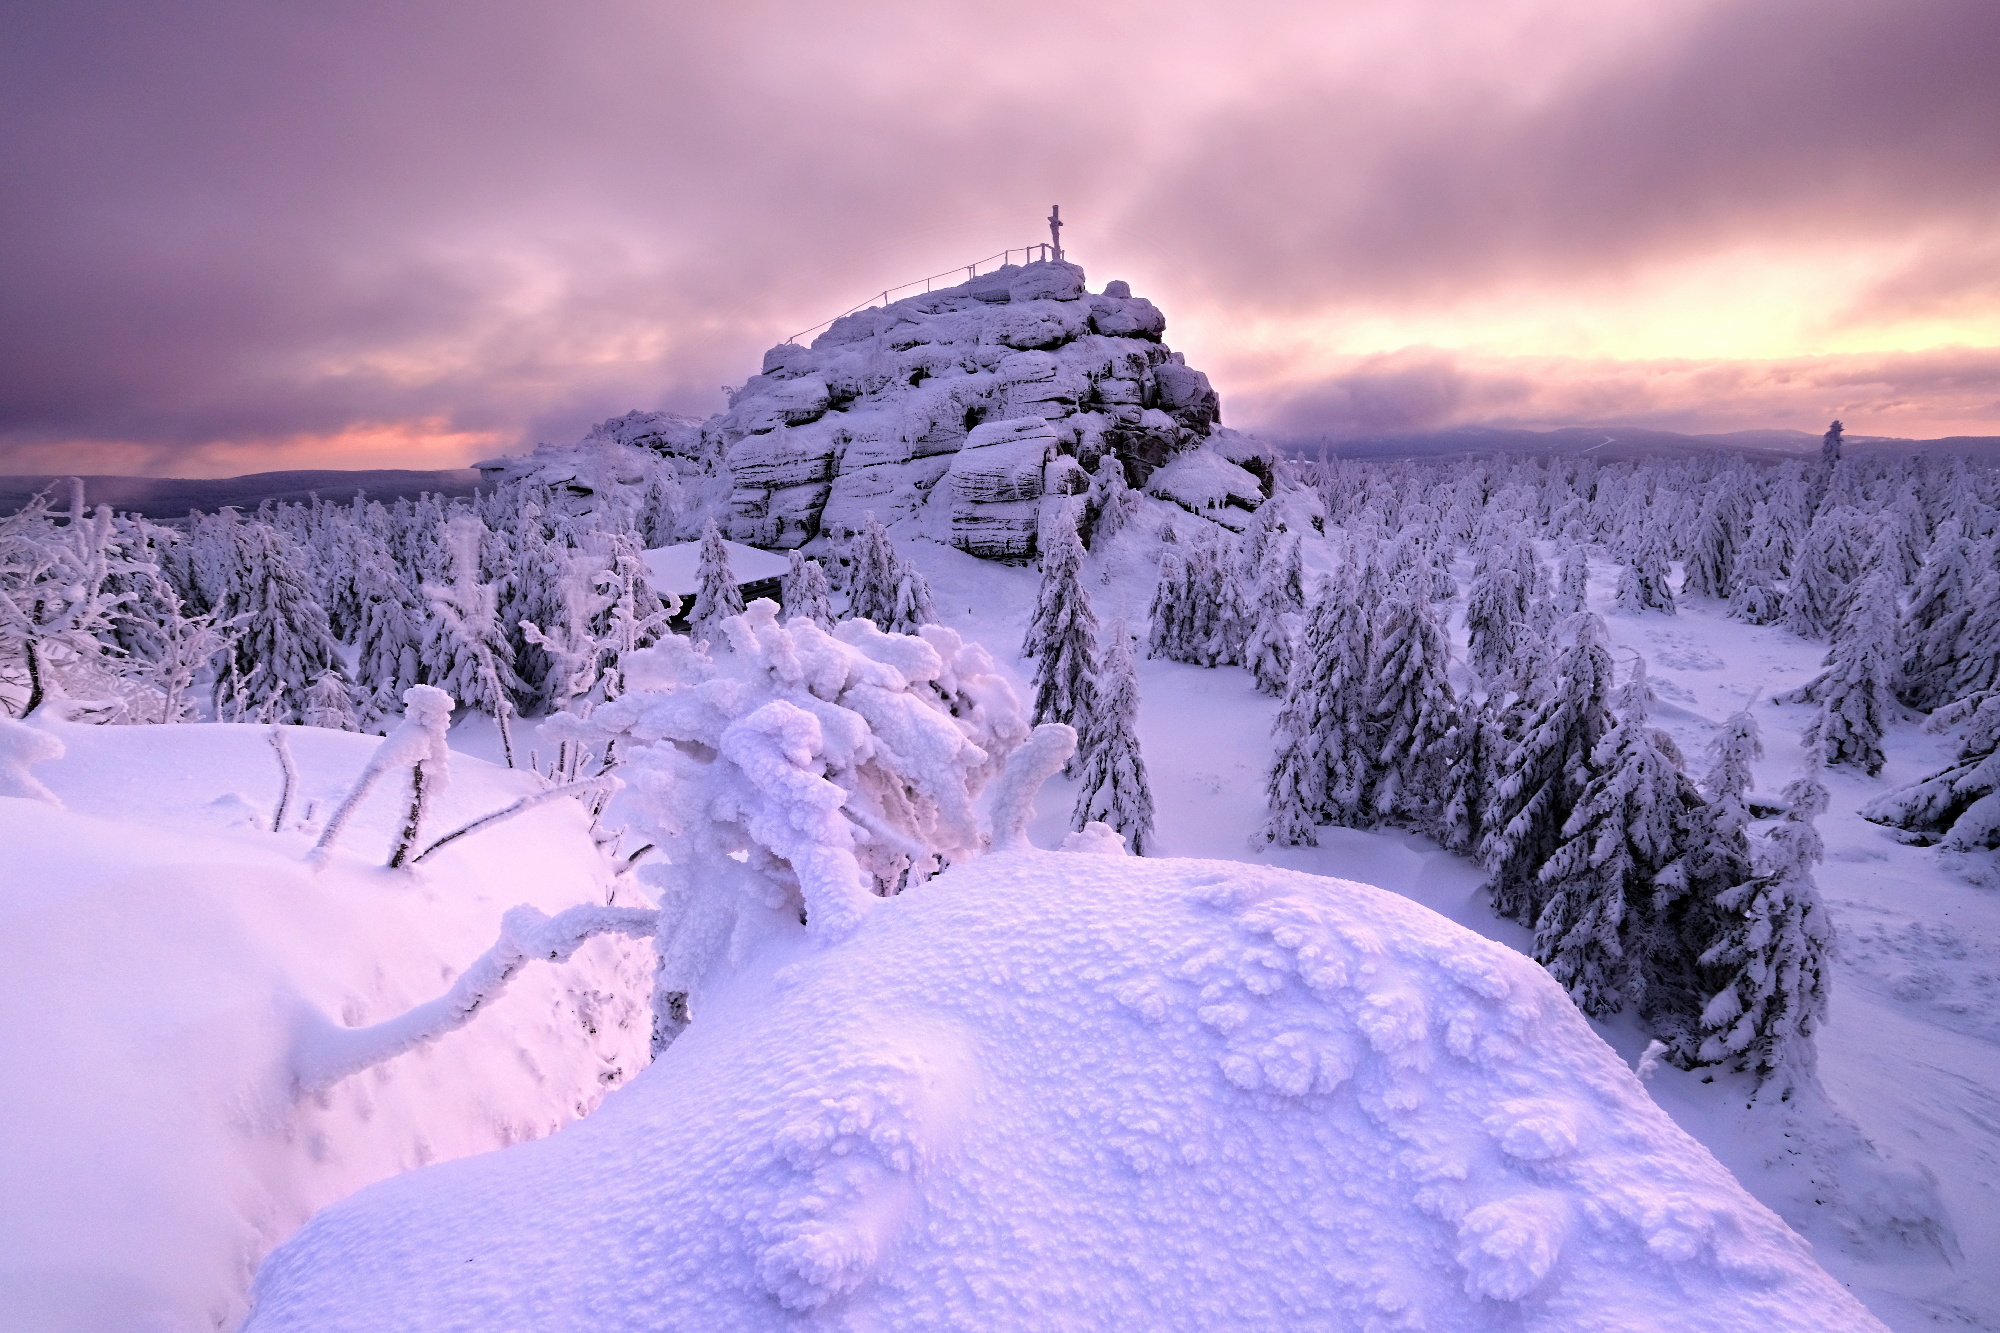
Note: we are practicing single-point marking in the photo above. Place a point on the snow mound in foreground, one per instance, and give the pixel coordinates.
(166, 954)
(1076, 1091)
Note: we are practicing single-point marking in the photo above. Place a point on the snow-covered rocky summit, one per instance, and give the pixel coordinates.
(968, 405)
(1002, 389)
(1060, 1090)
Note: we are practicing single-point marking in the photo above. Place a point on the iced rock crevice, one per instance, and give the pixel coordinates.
(1004, 389)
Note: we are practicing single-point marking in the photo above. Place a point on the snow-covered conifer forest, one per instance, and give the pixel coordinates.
(1130, 876)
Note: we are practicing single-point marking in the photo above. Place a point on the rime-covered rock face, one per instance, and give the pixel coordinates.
(1005, 389)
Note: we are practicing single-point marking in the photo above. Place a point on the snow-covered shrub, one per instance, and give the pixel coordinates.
(793, 777)
(58, 598)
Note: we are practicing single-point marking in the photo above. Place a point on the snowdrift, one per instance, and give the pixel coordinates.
(167, 953)
(1054, 1090)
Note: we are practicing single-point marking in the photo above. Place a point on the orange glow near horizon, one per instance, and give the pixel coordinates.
(423, 446)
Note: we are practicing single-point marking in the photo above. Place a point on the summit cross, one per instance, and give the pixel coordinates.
(1055, 231)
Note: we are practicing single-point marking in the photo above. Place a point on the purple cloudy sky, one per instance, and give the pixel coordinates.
(254, 235)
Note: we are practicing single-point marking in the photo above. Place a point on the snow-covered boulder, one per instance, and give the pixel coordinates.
(1203, 482)
(170, 961)
(1079, 1091)
(996, 482)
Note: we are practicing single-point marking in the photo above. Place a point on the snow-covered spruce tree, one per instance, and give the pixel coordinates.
(883, 587)
(1643, 584)
(1958, 806)
(553, 617)
(1205, 606)
(389, 640)
(1855, 690)
(1062, 635)
(1770, 958)
(1324, 767)
(1280, 617)
(1495, 617)
(1410, 709)
(1466, 774)
(1238, 574)
(658, 519)
(1941, 605)
(717, 594)
(1173, 599)
(1616, 841)
(1822, 479)
(1113, 502)
(282, 641)
(1544, 769)
(1709, 566)
(1977, 667)
(1759, 566)
(1112, 787)
(805, 591)
(912, 608)
(1907, 537)
(808, 817)
(871, 574)
(329, 704)
(1825, 565)
(465, 652)
(547, 591)
(1736, 745)
(1573, 582)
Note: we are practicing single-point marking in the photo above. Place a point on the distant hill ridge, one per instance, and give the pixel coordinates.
(1609, 442)
(173, 497)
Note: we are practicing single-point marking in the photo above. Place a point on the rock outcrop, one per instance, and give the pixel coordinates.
(1005, 389)
(971, 406)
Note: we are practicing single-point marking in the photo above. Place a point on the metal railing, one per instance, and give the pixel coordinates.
(1041, 248)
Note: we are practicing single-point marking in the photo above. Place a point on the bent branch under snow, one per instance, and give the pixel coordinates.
(521, 806)
(324, 1054)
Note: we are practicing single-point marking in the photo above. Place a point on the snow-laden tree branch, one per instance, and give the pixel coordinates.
(522, 806)
(283, 749)
(323, 1054)
(417, 741)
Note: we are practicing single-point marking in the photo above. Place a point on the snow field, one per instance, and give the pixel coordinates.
(1050, 1090)
(168, 953)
